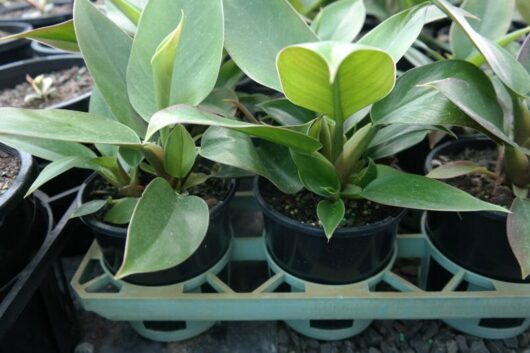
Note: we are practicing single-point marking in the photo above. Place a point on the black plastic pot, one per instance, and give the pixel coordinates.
(111, 240)
(17, 215)
(40, 49)
(477, 241)
(353, 254)
(16, 49)
(36, 22)
(15, 73)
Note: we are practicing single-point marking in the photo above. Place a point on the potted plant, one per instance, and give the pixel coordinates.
(16, 49)
(38, 13)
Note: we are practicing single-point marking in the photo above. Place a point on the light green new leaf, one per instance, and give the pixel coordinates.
(257, 30)
(518, 228)
(456, 169)
(180, 152)
(509, 71)
(493, 21)
(130, 10)
(271, 161)
(341, 20)
(305, 7)
(183, 114)
(121, 211)
(523, 6)
(417, 192)
(317, 174)
(60, 36)
(106, 49)
(333, 78)
(89, 208)
(286, 113)
(65, 125)
(330, 213)
(197, 61)
(393, 139)
(165, 230)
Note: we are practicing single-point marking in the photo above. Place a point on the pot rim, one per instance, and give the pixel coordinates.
(21, 183)
(31, 20)
(64, 57)
(349, 232)
(14, 43)
(121, 232)
(465, 141)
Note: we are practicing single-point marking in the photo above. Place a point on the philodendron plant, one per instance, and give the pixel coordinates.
(174, 58)
(494, 102)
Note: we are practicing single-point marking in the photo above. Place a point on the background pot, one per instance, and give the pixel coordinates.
(111, 240)
(352, 255)
(476, 241)
(15, 73)
(40, 49)
(16, 49)
(36, 22)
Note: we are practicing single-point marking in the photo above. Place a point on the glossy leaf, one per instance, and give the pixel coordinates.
(341, 20)
(180, 152)
(121, 211)
(286, 113)
(266, 159)
(127, 8)
(477, 58)
(165, 230)
(89, 207)
(330, 213)
(417, 192)
(197, 61)
(518, 228)
(61, 36)
(317, 174)
(64, 125)
(500, 60)
(455, 169)
(337, 79)
(257, 30)
(493, 21)
(182, 114)
(106, 49)
(305, 7)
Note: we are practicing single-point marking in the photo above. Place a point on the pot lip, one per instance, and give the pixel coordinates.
(44, 49)
(36, 20)
(77, 59)
(465, 141)
(21, 183)
(14, 43)
(349, 232)
(121, 232)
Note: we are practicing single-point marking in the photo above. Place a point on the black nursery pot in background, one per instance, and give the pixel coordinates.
(111, 240)
(477, 241)
(16, 49)
(352, 255)
(40, 49)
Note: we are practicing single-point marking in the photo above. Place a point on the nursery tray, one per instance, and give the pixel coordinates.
(279, 296)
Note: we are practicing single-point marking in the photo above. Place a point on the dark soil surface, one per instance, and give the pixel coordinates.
(481, 186)
(9, 168)
(302, 207)
(30, 12)
(68, 84)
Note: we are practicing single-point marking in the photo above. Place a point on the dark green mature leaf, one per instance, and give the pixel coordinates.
(106, 49)
(286, 113)
(317, 174)
(269, 160)
(518, 228)
(165, 230)
(257, 30)
(476, 58)
(89, 208)
(500, 60)
(330, 213)
(417, 192)
(197, 60)
(183, 114)
(341, 20)
(121, 211)
(64, 125)
(493, 21)
(393, 139)
(180, 152)
(60, 36)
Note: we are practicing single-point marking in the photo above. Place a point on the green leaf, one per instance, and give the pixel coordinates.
(180, 152)
(60, 36)
(333, 78)
(352, 152)
(128, 9)
(417, 192)
(221, 102)
(493, 21)
(162, 65)
(89, 208)
(257, 30)
(305, 7)
(518, 228)
(65, 125)
(182, 114)
(121, 211)
(456, 169)
(229, 75)
(165, 230)
(524, 54)
(106, 49)
(393, 139)
(500, 60)
(523, 6)
(341, 20)
(271, 161)
(197, 61)
(365, 176)
(477, 58)
(286, 113)
(330, 213)
(317, 174)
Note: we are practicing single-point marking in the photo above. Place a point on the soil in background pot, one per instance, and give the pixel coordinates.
(9, 168)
